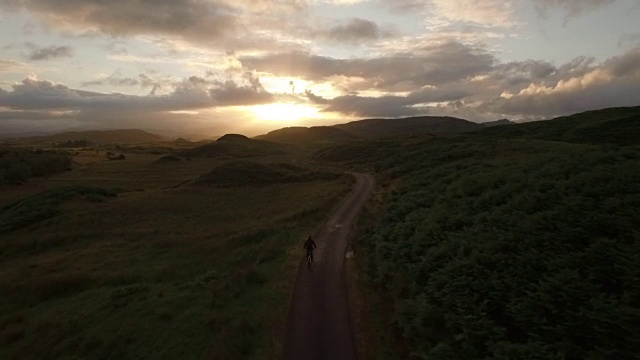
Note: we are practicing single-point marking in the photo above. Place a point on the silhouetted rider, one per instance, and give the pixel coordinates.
(309, 245)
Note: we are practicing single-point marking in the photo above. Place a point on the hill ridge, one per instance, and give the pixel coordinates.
(121, 136)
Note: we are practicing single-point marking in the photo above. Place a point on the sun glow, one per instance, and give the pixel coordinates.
(282, 112)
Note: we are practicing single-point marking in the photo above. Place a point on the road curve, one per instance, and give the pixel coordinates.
(319, 325)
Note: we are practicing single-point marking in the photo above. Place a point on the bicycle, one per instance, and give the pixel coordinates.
(309, 258)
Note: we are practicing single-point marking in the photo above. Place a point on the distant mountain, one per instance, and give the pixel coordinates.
(121, 136)
(498, 123)
(607, 126)
(308, 135)
(372, 128)
(10, 133)
(235, 145)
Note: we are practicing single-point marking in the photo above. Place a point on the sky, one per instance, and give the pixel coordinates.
(203, 68)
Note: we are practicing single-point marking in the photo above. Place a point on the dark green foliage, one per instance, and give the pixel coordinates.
(243, 173)
(17, 165)
(510, 248)
(45, 205)
(609, 126)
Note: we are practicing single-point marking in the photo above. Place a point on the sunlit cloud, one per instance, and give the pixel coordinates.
(490, 13)
(247, 64)
(13, 66)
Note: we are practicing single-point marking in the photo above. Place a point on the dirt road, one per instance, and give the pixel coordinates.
(319, 325)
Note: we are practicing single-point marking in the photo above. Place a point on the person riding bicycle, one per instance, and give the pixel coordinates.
(309, 245)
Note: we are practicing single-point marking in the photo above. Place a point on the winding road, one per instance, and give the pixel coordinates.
(319, 325)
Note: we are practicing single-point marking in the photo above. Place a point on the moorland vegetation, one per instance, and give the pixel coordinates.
(17, 165)
(516, 242)
(509, 242)
(126, 259)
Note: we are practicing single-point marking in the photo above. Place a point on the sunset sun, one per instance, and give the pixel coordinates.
(283, 112)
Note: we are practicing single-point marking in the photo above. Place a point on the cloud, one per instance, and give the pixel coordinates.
(431, 64)
(616, 82)
(490, 13)
(224, 24)
(116, 79)
(385, 106)
(356, 30)
(32, 115)
(389, 105)
(524, 90)
(12, 66)
(629, 39)
(401, 6)
(49, 52)
(193, 93)
(571, 7)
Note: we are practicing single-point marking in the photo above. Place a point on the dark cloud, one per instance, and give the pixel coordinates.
(195, 103)
(315, 99)
(124, 17)
(112, 82)
(356, 30)
(50, 52)
(116, 79)
(229, 93)
(225, 24)
(430, 65)
(523, 72)
(193, 93)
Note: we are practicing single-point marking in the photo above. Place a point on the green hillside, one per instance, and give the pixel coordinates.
(507, 244)
(614, 126)
(373, 128)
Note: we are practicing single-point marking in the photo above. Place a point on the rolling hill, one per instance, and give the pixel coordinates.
(613, 126)
(308, 135)
(234, 145)
(498, 123)
(372, 128)
(121, 136)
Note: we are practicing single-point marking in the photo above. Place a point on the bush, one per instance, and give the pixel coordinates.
(511, 249)
(45, 205)
(17, 166)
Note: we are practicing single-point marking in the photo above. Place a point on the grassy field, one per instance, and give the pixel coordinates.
(152, 268)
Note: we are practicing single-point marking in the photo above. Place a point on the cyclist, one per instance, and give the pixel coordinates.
(309, 245)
